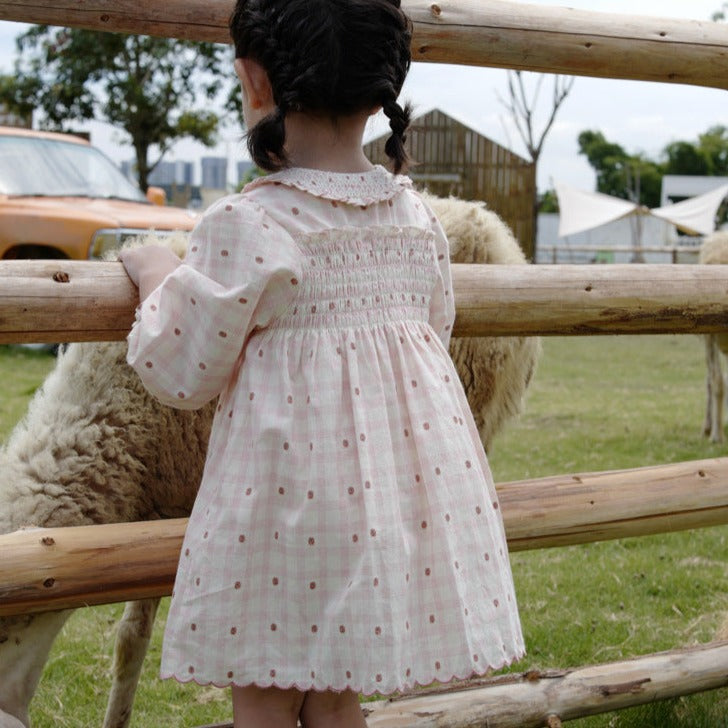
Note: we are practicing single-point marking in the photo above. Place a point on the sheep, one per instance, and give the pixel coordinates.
(95, 447)
(714, 250)
(495, 372)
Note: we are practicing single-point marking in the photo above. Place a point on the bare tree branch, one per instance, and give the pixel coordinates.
(522, 108)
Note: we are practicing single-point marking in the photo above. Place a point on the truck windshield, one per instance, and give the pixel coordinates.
(54, 168)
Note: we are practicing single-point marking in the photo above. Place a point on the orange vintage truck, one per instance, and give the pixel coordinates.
(62, 198)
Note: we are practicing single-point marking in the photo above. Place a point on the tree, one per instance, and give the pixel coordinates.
(714, 145)
(522, 108)
(149, 87)
(608, 160)
(686, 158)
(620, 174)
(548, 201)
(628, 176)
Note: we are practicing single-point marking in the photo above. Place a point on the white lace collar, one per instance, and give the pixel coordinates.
(356, 188)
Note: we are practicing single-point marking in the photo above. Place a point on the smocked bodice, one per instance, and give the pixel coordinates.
(362, 276)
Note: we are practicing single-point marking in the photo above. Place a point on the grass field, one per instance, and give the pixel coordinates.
(596, 403)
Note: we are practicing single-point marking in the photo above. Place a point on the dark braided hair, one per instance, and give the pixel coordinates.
(333, 57)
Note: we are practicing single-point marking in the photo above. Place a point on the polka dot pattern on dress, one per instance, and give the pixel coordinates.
(342, 386)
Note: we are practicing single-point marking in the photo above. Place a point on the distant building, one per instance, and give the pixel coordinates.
(175, 178)
(167, 174)
(214, 173)
(453, 159)
(677, 187)
(610, 243)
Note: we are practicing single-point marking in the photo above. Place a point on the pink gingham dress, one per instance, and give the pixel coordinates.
(346, 533)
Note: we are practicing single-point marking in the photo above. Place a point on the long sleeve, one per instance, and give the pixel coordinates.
(442, 302)
(241, 271)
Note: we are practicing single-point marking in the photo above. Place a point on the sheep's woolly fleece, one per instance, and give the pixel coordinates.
(495, 371)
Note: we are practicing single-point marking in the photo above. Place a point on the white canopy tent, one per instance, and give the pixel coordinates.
(581, 210)
(696, 215)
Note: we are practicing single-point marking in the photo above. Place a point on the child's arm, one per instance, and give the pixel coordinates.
(148, 266)
(241, 270)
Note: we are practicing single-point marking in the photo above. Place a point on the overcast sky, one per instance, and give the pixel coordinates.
(639, 116)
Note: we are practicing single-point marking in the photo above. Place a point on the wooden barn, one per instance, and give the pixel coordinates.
(453, 159)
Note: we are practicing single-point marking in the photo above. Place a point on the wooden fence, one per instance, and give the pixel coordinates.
(71, 567)
(52, 301)
(606, 253)
(493, 33)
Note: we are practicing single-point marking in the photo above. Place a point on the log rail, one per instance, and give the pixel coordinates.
(80, 566)
(539, 698)
(55, 301)
(60, 568)
(492, 33)
(536, 699)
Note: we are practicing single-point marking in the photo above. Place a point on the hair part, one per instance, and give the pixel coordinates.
(333, 57)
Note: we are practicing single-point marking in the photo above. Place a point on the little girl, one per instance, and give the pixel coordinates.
(346, 536)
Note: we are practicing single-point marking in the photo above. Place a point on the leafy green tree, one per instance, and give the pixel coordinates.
(253, 173)
(714, 145)
(607, 159)
(709, 156)
(620, 174)
(644, 180)
(157, 90)
(548, 201)
(18, 94)
(686, 158)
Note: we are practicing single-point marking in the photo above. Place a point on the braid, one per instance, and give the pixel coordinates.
(266, 141)
(332, 57)
(399, 120)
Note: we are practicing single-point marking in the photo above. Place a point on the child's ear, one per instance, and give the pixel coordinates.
(255, 82)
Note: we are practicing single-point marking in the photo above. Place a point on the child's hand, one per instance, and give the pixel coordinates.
(148, 266)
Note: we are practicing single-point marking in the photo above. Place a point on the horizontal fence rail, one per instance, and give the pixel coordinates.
(59, 568)
(536, 699)
(555, 252)
(475, 32)
(545, 698)
(57, 301)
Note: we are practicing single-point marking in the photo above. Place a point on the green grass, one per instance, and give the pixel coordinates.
(596, 403)
(21, 372)
(609, 403)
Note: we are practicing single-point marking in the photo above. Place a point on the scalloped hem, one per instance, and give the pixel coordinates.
(308, 686)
